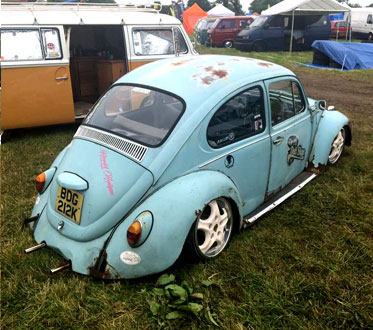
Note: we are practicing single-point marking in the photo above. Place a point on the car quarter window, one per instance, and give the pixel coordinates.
(242, 116)
(286, 100)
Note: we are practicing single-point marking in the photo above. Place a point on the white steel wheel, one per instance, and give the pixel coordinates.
(337, 147)
(228, 44)
(211, 231)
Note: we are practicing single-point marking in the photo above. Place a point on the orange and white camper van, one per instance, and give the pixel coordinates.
(57, 59)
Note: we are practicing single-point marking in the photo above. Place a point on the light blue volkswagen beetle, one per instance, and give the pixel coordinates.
(179, 154)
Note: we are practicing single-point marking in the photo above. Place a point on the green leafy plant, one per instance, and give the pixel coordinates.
(171, 300)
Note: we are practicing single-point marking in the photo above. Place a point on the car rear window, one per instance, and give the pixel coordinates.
(141, 114)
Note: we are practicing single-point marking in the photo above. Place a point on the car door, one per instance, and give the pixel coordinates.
(239, 143)
(290, 131)
(36, 77)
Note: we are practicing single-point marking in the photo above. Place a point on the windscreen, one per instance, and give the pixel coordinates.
(259, 21)
(140, 114)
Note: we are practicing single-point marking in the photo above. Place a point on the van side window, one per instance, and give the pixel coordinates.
(51, 43)
(369, 19)
(277, 22)
(30, 44)
(286, 100)
(227, 24)
(21, 45)
(153, 42)
(244, 23)
(242, 116)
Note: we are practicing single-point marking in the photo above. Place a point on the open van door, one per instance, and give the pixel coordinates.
(36, 79)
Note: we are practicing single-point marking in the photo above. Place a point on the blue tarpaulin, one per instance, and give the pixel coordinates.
(350, 55)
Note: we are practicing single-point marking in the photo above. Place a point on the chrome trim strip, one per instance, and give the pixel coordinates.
(32, 64)
(126, 147)
(232, 151)
(280, 200)
(291, 126)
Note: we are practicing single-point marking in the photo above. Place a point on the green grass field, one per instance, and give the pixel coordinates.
(307, 265)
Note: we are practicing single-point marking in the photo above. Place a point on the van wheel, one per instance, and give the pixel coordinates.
(259, 46)
(211, 231)
(228, 44)
(370, 37)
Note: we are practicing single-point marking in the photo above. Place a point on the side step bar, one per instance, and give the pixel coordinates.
(297, 184)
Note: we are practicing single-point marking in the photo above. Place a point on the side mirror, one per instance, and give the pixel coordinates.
(321, 105)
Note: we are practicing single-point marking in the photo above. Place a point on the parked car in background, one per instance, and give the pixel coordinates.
(362, 23)
(225, 29)
(177, 155)
(339, 29)
(273, 32)
(200, 31)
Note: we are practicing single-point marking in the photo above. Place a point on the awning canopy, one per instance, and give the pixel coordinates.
(306, 7)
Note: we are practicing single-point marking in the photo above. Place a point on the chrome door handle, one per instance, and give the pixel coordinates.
(278, 140)
(62, 78)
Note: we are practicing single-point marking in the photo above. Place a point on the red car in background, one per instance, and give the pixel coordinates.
(339, 28)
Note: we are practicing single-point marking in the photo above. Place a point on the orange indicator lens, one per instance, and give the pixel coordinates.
(40, 182)
(134, 233)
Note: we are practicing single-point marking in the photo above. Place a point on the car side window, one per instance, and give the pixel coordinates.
(369, 19)
(242, 116)
(286, 100)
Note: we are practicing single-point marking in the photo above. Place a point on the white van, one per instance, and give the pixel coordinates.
(362, 23)
(57, 59)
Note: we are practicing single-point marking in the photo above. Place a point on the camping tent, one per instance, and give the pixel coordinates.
(191, 17)
(220, 10)
(305, 7)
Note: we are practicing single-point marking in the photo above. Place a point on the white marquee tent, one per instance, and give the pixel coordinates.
(309, 7)
(220, 10)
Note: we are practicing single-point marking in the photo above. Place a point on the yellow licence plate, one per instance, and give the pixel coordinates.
(69, 204)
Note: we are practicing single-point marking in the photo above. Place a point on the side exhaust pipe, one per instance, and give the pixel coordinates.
(58, 269)
(35, 248)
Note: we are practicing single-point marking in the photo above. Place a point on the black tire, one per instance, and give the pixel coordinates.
(196, 245)
(370, 37)
(259, 46)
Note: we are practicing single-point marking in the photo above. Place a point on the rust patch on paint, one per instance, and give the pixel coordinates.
(181, 62)
(316, 169)
(209, 69)
(265, 65)
(207, 80)
(220, 73)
